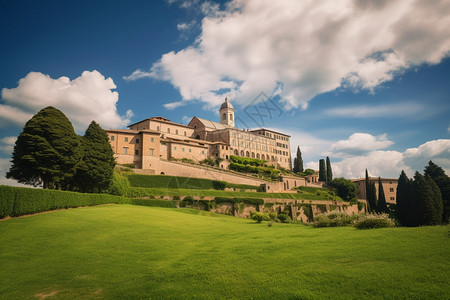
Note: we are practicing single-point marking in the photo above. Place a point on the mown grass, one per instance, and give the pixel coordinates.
(125, 251)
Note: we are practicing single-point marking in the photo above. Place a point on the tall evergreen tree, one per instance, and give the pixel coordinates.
(322, 170)
(424, 212)
(329, 171)
(95, 172)
(298, 161)
(403, 201)
(436, 200)
(381, 204)
(443, 182)
(372, 197)
(46, 151)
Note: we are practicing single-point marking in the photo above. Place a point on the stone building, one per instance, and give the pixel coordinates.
(158, 138)
(389, 187)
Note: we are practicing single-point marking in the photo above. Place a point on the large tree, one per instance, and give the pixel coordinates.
(443, 182)
(381, 204)
(403, 204)
(329, 171)
(436, 198)
(322, 171)
(371, 194)
(298, 161)
(46, 151)
(346, 189)
(95, 171)
(424, 206)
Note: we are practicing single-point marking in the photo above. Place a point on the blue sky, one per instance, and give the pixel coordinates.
(366, 83)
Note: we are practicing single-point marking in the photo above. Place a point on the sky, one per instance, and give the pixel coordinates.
(366, 83)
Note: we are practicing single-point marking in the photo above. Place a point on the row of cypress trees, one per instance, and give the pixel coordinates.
(424, 199)
(48, 152)
(325, 171)
(373, 204)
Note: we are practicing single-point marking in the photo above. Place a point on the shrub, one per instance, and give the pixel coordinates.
(154, 202)
(259, 217)
(284, 218)
(187, 160)
(17, 201)
(371, 221)
(219, 185)
(334, 219)
(188, 200)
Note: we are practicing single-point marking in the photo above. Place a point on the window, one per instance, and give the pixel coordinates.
(152, 140)
(136, 152)
(224, 117)
(174, 147)
(126, 139)
(182, 149)
(392, 198)
(231, 117)
(157, 128)
(125, 150)
(391, 189)
(176, 131)
(112, 138)
(152, 152)
(168, 130)
(137, 141)
(185, 133)
(190, 150)
(203, 151)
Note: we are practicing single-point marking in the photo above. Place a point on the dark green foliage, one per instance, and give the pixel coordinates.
(219, 185)
(443, 182)
(170, 182)
(154, 202)
(252, 201)
(248, 168)
(298, 162)
(403, 201)
(329, 171)
(307, 210)
(436, 200)
(309, 172)
(17, 201)
(248, 161)
(95, 171)
(381, 204)
(346, 189)
(46, 152)
(334, 219)
(188, 200)
(361, 206)
(372, 196)
(322, 171)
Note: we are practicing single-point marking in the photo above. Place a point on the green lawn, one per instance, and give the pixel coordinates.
(125, 251)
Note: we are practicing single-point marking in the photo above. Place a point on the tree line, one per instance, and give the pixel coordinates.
(50, 154)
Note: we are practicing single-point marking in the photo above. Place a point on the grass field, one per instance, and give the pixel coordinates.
(125, 251)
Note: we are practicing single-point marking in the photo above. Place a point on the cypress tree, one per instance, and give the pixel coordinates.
(372, 197)
(329, 171)
(298, 161)
(381, 204)
(436, 200)
(46, 151)
(423, 208)
(403, 200)
(95, 172)
(322, 170)
(443, 182)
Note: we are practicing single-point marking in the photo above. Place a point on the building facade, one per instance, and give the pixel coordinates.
(389, 187)
(158, 138)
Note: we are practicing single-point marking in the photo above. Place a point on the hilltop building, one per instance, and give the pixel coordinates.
(148, 141)
(389, 187)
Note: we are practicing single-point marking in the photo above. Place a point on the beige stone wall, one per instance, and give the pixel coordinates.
(389, 187)
(192, 151)
(164, 127)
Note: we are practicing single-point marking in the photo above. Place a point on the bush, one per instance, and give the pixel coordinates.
(259, 217)
(154, 202)
(371, 221)
(17, 201)
(219, 185)
(188, 200)
(334, 219)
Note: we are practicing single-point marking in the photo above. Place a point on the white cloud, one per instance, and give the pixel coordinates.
(83, 99)
(391, 163)
(5, 164)
(173, 105)
(358, 144)
(7, 144)
(186, 26)
(407, 109)
(309, 47)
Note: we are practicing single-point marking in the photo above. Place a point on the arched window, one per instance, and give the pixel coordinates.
(242, 153)
(168, 130)
(247, 154)
(224, 116)
(234, 142)
(197, 137)
(257, 155)
(253, 154)
(231, 117)
(236, 152)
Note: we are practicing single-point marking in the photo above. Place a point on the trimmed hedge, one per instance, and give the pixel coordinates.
(154, 202)
(252, 201)
(17, 201)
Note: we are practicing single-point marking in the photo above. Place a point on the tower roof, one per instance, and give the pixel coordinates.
(226, 104)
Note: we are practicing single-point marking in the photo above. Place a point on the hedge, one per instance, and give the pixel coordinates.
(154, 202)
(252, 201)
(17, 201)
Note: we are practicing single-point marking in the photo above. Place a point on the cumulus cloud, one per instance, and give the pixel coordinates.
(359, 144)
(83, 99)
(309, 47)
(395, 110)
(7, 144)
(391, 163)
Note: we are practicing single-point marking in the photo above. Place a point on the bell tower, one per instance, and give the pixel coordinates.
(226, 113)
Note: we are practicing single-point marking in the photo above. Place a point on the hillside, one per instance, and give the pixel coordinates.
(124, 251)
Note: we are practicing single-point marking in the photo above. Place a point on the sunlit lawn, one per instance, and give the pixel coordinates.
(124, 251)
